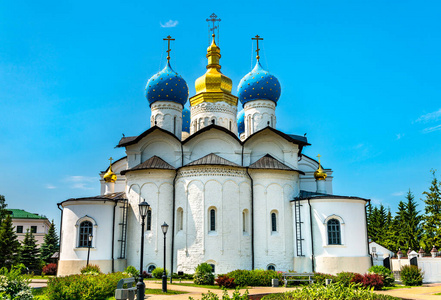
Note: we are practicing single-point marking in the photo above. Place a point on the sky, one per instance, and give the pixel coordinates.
(360, 78)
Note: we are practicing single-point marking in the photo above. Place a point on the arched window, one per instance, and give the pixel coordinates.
(86, 228)
(334, 233)
(213, 268)
(151, 268)
(271, 267)
(212, 219)
(174, 125)
(245, 220)
(180, 219)
(273, 222)
(149, 219)
(231, 124)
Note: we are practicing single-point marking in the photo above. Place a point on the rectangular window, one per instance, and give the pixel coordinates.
(34, 229)
(149, 220)
(334, 232)
(19, 229)
(212, 220)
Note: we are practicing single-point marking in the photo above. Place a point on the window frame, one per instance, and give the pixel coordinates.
(81, 238)
(19, 227)
(149, 220)
(94, 232)
(326, 240)
(33, 229)
(274, 222)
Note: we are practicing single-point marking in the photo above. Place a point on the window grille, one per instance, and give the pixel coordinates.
(212, 220)
(334, 233)
(85, 229)
(149, 220)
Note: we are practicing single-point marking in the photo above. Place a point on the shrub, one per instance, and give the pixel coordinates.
(13, 285)
(388, 278)
(157, 272)
(344, 278)
(320, 278)
(236, 296)
(146, 275)
(90, 270)
(50, 269)
(411, 275)
(76, 287)
(332, 291)
(225, 281)
(203, 274)
(254, 277)
(184, 276)
(132, 271)
(369, 280)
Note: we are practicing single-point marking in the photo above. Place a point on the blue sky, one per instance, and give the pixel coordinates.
(361, 78)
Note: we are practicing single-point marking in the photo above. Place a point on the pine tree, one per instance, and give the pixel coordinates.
(30, 254)
(9, 244)
(412, 223)
(399, 227)
(432, 217)
(2, 208)
(50, 244)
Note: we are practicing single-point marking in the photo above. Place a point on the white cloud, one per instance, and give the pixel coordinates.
(432, 129)
(80, 182)
(50, 186)
(433, 116)
(396, 194)
(169, 23)
(375, 201)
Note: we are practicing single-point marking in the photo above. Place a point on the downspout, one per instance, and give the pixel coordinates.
(113, 237)
(312, 238)
(61, 226)
(367, 233)
(173, 215)
(252, 220)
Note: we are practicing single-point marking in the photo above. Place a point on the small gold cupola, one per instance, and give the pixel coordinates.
(110, 176)
(319, 174)
(213, 86)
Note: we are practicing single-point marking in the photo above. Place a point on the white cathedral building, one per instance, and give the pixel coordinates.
(236, 192)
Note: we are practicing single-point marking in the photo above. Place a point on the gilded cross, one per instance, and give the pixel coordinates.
(213, 19)
(110, 159)
(319, 156)
(168, 39)
(257, 38)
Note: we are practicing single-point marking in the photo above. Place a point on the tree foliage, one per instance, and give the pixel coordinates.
(30, 254)
(50, 244)
(432, 217)
(3, 211)
(9, 244)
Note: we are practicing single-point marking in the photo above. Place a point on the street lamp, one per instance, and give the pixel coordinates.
(164, 228)
(88, 248)
(140, 286)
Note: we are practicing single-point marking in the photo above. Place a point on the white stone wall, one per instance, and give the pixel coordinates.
(273, 191)
(258, 115)
(227, 190)
(155, 187)
(223, 114)
(167, 115)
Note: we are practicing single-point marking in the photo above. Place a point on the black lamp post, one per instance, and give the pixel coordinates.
(164, 228)
(140, 286)
(88, 248)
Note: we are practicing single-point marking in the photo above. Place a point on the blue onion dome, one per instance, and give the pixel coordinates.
(258, 85)
(186, 120)
(241, 122)
(167, 85)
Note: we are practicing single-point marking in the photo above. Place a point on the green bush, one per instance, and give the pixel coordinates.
(236, 296)
(411, 275)
(203, 274)
(91, 270)
(330, 292)
(344, 278)
(184, 276)
(132, 271)
(158, 272)
(388, 278)
(254, 277)
(83, 287)
(320, 278)
(13, 285)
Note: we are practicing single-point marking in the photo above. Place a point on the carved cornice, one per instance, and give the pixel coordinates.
(212, 171)
(213, 108)
(260, 104)
(160, 105)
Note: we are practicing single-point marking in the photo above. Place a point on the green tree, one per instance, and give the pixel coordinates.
(412, 230)
(432, 217)
(3, 211)
(9, 244)
(50, 244)
(30, 254)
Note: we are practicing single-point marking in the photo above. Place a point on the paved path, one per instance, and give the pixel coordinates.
(425, 292)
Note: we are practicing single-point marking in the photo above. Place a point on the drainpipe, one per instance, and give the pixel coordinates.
(367, 233)
(312, 238)
(252, 219)
(113, 237)
(61, 226)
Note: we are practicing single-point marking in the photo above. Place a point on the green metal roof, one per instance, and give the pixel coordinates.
(21, 214)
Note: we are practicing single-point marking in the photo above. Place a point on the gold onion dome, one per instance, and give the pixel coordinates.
(109, 176)
(213, 86)
(319, 174)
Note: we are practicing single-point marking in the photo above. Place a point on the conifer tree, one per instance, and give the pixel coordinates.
(432, 217)
(30, 254)
(50, 244)
(9, 244)
(412, 230)
(2, 208)
(399, 227)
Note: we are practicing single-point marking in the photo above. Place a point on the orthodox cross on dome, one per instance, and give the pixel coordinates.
(257, 38)
(110, 159)
(168, 39)
(211, 27)
(319, 156)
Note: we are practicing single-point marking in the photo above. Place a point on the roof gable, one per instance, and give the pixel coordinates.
(269, 162)
(212, 159)
(210, 127)
(130, 140)
(153, 162)
(296, 139)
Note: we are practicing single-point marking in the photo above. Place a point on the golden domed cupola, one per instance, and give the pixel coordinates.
(213, 102)
(320, 177)
(110, 176)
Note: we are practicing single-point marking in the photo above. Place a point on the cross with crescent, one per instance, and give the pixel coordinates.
(168, 39)
(257, 38)
(214, 20)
